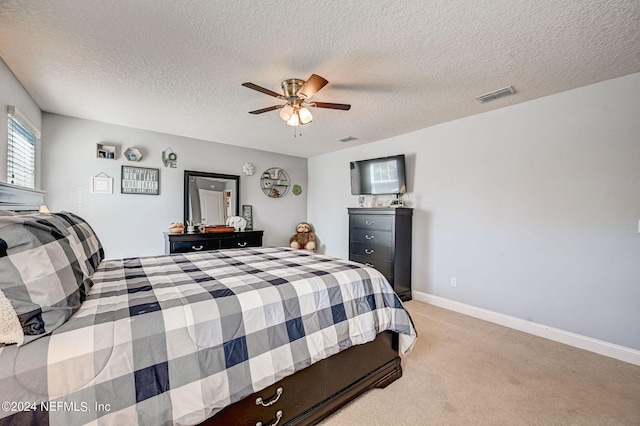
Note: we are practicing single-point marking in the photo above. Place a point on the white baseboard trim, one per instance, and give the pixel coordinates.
(601, 347)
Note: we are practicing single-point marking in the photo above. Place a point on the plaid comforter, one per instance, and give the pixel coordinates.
(174, 339)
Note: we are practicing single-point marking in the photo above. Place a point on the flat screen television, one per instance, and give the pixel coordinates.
(385, 175)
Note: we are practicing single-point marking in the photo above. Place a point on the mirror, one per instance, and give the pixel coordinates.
(210, 198)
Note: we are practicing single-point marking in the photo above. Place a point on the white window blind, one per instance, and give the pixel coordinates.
(21, 150)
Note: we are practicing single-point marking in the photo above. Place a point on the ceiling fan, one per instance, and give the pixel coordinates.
(297, 93)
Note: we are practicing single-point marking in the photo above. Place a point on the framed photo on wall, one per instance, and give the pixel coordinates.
(140, 180)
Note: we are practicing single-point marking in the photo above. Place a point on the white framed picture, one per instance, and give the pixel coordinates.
(102, 185)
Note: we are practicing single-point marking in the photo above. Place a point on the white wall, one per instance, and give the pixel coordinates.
(534, 208)
(133, 225)
(12, 93)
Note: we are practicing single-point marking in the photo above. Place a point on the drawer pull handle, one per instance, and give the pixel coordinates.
(274, 399)
(244, 244)
(197, 248)
(368, 251)
(370, 265)
(369, 237)
(277, 420)
(369, 222)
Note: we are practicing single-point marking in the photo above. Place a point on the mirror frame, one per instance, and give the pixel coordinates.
(191, 173)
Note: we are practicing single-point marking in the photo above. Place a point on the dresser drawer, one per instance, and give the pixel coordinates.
(372, 221)
(196, 245)
(240, 241)
(372, 236)
(297, 394)
(371, 251)
(383, 266)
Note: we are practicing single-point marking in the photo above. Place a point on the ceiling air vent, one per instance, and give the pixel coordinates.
(496, 95)
(346, 139)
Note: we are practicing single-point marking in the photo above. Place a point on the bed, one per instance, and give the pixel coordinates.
(247, 336)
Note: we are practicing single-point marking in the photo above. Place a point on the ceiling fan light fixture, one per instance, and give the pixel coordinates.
(305, 115)
(299, 116)
(294, 120)
(286, 112)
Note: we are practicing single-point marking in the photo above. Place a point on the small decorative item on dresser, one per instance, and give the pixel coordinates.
(237, 222)
(176, 228)
(247, 214)
(397, 201)
(216, 229)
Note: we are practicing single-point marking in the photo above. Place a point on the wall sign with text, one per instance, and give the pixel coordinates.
(140, 180)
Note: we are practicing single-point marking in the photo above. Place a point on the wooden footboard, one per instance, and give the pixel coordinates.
(317, 391)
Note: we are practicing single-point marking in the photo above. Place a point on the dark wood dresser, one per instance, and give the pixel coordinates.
(200, 241)
(381, 238)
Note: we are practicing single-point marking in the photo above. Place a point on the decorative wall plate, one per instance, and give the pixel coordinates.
(248, 169)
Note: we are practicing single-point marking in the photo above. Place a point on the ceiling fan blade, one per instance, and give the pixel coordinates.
(263, 90)
(344, 107)
(271, 108)
(311, 86)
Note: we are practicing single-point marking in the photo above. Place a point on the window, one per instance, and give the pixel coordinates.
(21, 150)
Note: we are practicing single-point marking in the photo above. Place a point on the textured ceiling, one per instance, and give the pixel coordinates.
(177, 66)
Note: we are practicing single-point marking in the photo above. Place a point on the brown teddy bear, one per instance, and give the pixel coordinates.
(304, 237)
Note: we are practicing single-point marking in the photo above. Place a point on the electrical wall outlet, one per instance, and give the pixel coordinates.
(454, 282)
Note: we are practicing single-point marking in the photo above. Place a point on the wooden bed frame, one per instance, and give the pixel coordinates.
(314, 393)
(303, 398)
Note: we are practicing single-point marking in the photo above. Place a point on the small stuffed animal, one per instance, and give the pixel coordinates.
(304, 238)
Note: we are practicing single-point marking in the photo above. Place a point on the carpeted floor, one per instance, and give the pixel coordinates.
(465, 371)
